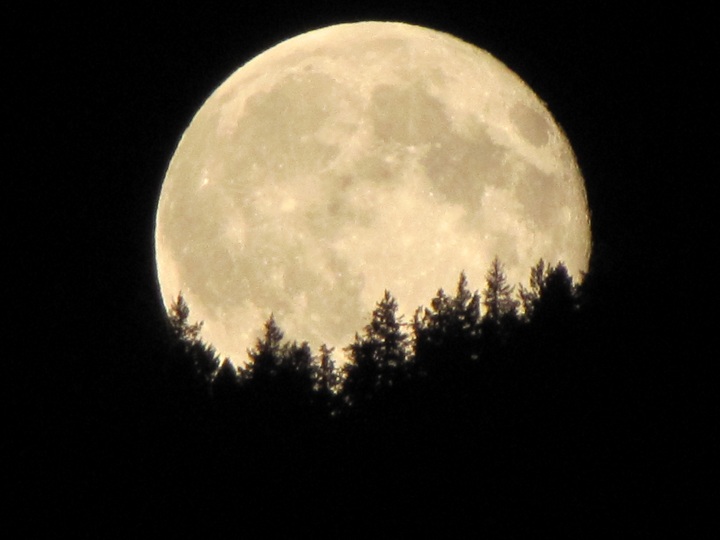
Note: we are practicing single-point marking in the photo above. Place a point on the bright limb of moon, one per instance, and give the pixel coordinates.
(358, 158)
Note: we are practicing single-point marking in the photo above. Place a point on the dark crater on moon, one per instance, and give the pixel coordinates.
(529, 124)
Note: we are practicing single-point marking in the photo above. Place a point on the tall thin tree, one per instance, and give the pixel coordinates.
(378, 357)
(498, 297)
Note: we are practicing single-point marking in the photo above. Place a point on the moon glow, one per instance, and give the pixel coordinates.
(358, 158)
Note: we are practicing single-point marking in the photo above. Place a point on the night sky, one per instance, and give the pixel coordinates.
(103, 95)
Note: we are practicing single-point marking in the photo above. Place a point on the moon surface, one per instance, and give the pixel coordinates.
(353, 159)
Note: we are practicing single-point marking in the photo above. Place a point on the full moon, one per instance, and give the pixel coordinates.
(358, 158)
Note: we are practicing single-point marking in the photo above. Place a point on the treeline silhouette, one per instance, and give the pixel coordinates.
(498, 410)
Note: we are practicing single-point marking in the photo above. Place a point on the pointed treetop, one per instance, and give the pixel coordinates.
(463, 292)
(178, 316)
(498, 294)
(449, 318)
(269, 346)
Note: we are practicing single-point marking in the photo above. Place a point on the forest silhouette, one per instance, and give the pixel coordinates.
(500, 410)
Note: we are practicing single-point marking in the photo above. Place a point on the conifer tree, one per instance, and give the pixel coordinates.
(267, 354)
(378, 357)
(558, 296)
(551, 291)
(281, 374)
(201, 357)
(226, 377)
(449, 319)
(530, 295)
(296, 374)
(327, 377)
(226, 387)
(447, 333)
(179, 319)
(498, 295)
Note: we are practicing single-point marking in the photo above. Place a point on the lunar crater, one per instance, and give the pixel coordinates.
(530, 124)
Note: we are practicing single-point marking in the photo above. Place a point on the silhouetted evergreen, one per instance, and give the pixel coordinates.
(498, 297)
(328, 381)
(500, 319)
(327, 377)
(281, 373)
(378, 357)
(447, 333)
(268, 355)
(558, 297)
(530, 295)
(225, 384)
(191, 362)
(179, 320)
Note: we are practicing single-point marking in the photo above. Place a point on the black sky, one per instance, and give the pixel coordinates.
(102, 95)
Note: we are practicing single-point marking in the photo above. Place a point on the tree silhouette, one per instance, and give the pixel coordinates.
(500, 320)
(226, 382)
(267, 355)
(194, 355)
(448, 329)
(327, 377)
(531, 294)
(498, 297)
(551, 294)
(378, 357)
(558, 298)
(297, 371)
(179, 319)
(280, 378)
